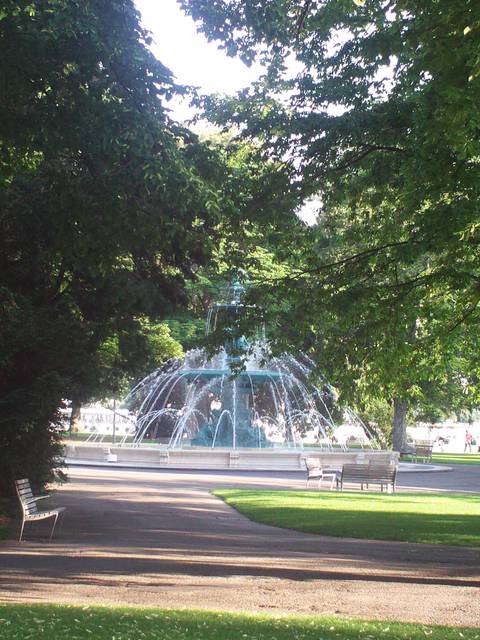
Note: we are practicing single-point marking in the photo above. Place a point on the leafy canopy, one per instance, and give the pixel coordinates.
(374, 108)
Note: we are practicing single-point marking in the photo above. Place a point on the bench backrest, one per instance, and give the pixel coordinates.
(27, 499)
(366, 472)
(312, 464)
(424, 449)
(386, 472)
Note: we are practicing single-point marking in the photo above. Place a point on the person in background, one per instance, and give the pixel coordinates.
(468, 441)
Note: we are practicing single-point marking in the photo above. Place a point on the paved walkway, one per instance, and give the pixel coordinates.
(159, 538)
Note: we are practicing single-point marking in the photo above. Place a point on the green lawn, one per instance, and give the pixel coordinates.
(414, 517)
(456, 458)
(49, 622)
(107, 438)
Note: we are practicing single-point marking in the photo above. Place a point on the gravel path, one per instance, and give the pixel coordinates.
(159, 538)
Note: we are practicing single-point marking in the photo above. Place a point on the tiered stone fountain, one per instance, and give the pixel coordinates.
(235, 410)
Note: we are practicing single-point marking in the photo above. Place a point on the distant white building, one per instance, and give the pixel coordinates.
(98, 419)
(446, 436)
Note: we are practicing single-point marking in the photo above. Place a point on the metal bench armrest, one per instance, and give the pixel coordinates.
(35, 498)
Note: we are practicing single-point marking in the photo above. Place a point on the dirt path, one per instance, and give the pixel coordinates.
(160, 539)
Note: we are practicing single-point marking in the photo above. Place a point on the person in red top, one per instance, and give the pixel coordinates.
(468, 441)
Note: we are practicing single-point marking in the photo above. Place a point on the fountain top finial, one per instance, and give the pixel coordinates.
(236, 286)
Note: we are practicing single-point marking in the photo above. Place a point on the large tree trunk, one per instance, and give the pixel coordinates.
(400, 408)
(75, 415)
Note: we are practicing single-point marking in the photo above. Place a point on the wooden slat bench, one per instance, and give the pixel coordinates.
(423, 451)
(30, 510)
(364, 474)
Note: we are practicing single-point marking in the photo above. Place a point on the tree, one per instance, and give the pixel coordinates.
(107, 206)
(123, 358)
(263, 200)
(378, 117)
(108, 209)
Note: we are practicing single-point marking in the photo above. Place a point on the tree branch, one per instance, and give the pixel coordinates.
(465, 314)
(370, 149)
(302, 17)
(357, 256)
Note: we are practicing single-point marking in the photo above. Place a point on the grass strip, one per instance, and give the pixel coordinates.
(456, 458)
(42, 622)
(413, 517)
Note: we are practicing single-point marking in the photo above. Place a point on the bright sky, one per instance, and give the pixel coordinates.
(195, 61)
(189, 55)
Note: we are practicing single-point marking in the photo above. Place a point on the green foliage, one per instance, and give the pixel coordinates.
(106, 205)
(105, 623)
(425, 518)
(163, 345)
(108, 209)
(185, 329)
(33, 366)
(376, 413)
(130, 355)
(263, 201)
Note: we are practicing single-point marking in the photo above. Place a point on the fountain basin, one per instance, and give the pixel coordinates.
(252, 374)
(271, 459)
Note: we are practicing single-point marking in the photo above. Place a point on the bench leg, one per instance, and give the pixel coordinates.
(326, 477)
(53, 528)
(21, 532)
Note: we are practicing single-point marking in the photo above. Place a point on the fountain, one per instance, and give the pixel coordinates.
(239, 408)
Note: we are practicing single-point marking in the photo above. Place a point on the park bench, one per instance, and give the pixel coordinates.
(30, 510)
(423, 450)
(366, 474)
(316, 473)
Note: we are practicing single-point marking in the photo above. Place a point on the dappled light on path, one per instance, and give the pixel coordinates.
(160, 538)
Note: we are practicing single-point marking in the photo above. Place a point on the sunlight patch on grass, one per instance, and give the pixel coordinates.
(45, 622)
(456, 458)
(427, 518)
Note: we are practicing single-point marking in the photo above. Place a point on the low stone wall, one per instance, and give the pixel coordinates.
(204, 458)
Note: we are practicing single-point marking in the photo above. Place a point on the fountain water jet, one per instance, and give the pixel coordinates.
(204, 402)
(237, 409)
